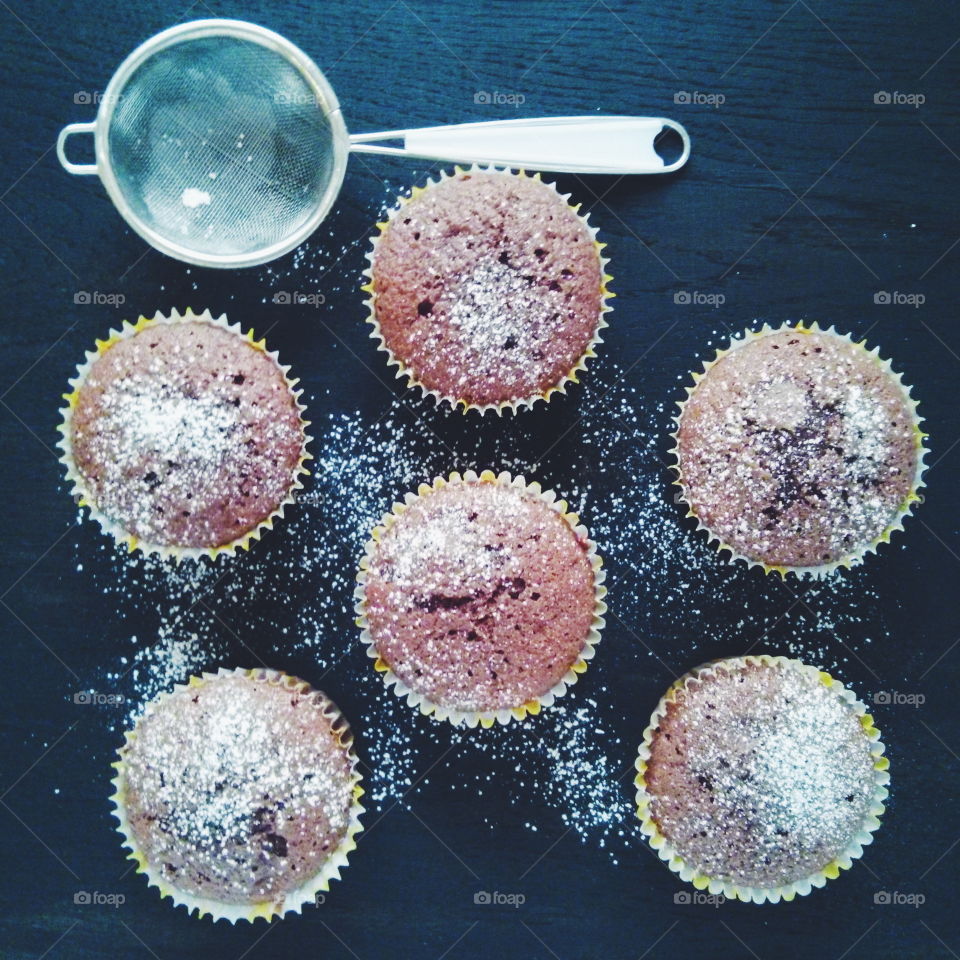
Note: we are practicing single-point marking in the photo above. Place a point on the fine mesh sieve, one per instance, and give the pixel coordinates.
(222, 144)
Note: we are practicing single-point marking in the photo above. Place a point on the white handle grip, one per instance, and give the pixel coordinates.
(67, 131)
(613, 145)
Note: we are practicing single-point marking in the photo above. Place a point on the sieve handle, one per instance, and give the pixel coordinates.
(611, 145)
(70, 129)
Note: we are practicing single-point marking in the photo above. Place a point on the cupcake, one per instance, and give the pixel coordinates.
(760, 778)
(183, 436)
(480, 598)
(798, 450)
(487, 290)
(237, 794)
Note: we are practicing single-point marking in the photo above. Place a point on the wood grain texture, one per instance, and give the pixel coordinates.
(803, 198)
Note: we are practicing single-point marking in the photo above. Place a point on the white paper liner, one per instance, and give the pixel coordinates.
(295, 899)
(484, 718)
(75, 479)
(732, 891)
(820, 570)
(403, 371)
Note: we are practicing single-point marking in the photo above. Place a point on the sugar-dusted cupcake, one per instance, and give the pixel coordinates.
(480, 598)
(238, 794)
(487, 290)
(798, 450)
(183, 436)
(760, 778)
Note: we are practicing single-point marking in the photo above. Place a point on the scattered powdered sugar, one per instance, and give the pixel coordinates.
(569, 758)
(154, 669)
(673, 603)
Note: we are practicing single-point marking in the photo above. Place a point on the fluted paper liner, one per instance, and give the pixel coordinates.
(85, 499)
(403, 371)
(269, 909)
(733, 891)
(857, 556)
(485, 718)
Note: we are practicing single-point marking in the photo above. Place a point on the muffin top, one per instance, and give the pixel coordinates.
(185, 434)
(759, 773)
(487, 287)
(479, 596)
(238, 788)
(798, 448)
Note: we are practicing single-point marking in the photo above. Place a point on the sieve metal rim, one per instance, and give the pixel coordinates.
(242, 30)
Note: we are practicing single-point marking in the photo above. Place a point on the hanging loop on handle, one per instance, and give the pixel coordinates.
(83, 169)
(606, 145)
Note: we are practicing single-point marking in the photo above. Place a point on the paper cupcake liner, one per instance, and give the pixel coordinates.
(403, 371)
(295, 899)
(85, 499)
(733, 891)
(855, 558)
(484, 718)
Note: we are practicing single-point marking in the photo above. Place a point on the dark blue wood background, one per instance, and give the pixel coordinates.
(803, 199)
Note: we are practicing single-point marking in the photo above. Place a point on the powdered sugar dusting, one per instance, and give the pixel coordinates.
(174, 426)
(488, 318)
(759, 774)
(798, 448)
(184, 434)
(238, 788)
(487, 287)
(289, 604)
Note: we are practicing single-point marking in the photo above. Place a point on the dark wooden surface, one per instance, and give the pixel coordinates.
(803, 199)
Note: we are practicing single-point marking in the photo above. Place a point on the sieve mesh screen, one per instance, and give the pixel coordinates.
(221, 145)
